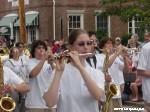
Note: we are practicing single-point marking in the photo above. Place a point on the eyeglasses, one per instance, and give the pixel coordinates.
(96, 41)
(15, 51)
(88, 43)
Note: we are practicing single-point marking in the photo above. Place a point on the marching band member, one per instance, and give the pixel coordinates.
(39, 71)
(143, 70)
(21, 47)
(75, 86)
(13, 83)
(115, 65)
(17, 65)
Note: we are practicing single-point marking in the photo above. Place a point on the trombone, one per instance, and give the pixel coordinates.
(6, 103)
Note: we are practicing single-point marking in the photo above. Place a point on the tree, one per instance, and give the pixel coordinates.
(127, 9)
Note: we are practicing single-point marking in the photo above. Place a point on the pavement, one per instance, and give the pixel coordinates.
(139, 104)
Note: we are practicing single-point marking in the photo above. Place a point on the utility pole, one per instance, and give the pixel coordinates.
(22, 22)
(54, 35)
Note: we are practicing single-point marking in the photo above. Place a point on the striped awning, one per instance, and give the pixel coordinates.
(31, 20)
(5, 21)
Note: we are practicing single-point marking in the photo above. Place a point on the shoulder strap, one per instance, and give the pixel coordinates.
(11, 62)
(21, 61)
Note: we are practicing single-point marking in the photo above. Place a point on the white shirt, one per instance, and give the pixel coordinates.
(16, 66)
(10, 77)
(24, 57)
(144, 64)
(135, 59)
(38, 84)
(115, 71)
(121, 76)
(74, 95)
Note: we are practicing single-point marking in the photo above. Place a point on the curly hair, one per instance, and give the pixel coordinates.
(35, 44)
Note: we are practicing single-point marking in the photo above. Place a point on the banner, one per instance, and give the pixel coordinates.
(4, 30)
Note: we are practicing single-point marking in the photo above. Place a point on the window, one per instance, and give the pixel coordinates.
(102, 23)
(75, 22)
(15, 2)
(33, 34)
(75, 19)
(133, 25)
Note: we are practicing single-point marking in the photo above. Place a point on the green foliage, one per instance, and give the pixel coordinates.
(125, 38)
(101, 34)
(126, 9)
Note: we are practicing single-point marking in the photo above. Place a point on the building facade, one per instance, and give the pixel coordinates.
(45, 17)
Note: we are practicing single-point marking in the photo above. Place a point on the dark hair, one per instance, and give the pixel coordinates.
(74, 35)
(64, 46)
(104, 41)
(35, 44)
(90, 33)
(10, 52)
(18, 44)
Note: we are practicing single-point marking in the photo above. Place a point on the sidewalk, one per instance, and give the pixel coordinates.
(139, 104)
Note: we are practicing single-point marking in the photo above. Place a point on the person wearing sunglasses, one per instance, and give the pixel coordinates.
(75, 86)
(17, 65)
(21, 48)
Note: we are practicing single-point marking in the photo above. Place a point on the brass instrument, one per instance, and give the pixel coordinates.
(7, 104)
(26, 52)
(110, 88)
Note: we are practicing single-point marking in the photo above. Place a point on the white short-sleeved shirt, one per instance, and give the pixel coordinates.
(144, 64)
(24, 57)
(121, 77)
(100, 62)
(37, 84)
(135, 59)
(74, 95)
(16, 66)
(115, 70)
(10, 77)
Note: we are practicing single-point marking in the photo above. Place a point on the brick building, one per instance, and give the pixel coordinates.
(69, 14)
